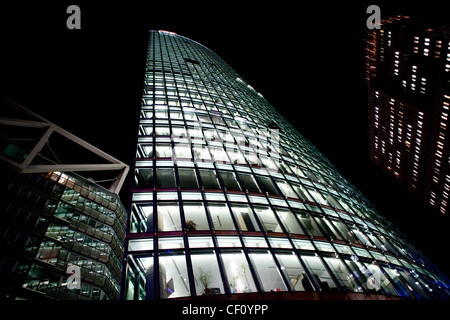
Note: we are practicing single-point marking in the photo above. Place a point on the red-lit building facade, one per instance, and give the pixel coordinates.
(407, 71)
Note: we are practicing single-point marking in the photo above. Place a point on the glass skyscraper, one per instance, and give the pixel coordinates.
(229, 200)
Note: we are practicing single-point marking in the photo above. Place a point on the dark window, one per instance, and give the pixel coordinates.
(143, 178)
(165, 178)
(188, 178)
(209, 179)
(249, 182)
(267, 185)
(229, 180)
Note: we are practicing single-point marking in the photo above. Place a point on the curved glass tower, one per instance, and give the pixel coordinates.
(228, 200)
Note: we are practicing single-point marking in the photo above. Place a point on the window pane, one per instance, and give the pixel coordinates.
(235, 156)
(188, 178)
(143, 178)
(200, 242)
(290, 222)
(286, 189)
(144, 150)
(267, 271)
(238, 272)
(183, 151)
(345, 278)
(163, 151)
(267, 185)
(417, 289)
(228, 241)
(201, 153)
(244, 217)
(140, 244)
(220, 156)
(162, 131)
(344, 230)
(169, 217)
(170, 243)
(309, 223)
(179, 134)
(401, 286)
(328, 229)
(332, 201)
(165, 178)
(317, 269)
(141, 219)
(195, 212)
(139, 283)
(229, 180)
(293, 270)
(255, 242)
(317, 196)
(268, 219)
(206, 273)
(209, 179)
(162, 114)
(249, 182)
(145, 130)
(220, 216)
(173, 275)
(301, 191)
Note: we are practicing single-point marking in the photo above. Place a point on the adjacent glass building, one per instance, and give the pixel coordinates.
(228, 200)
(54, 222)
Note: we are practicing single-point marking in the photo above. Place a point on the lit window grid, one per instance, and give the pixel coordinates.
(198, 94)
(402, 129)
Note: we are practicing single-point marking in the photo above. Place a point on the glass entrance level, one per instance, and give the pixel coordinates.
(229, 199)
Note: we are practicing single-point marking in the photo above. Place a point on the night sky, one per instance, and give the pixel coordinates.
(306, 60)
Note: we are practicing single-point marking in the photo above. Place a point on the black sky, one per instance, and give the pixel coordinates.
(306, 60)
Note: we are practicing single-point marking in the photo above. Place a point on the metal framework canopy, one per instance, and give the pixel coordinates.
(30, 143)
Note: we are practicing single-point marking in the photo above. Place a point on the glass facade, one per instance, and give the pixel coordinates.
(228, 198)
